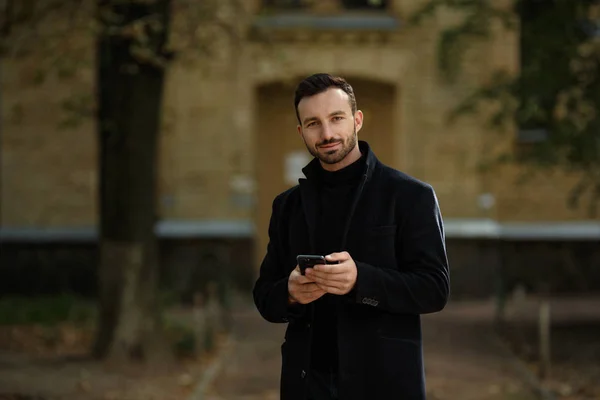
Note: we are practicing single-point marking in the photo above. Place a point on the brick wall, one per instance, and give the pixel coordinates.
(208, 147)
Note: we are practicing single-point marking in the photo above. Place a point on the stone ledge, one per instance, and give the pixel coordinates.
(454, 229)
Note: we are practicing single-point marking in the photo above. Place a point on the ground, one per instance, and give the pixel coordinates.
(465, 359)
(575, 343)
(50, 360)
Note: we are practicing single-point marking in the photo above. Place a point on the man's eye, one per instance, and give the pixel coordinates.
(337, 118)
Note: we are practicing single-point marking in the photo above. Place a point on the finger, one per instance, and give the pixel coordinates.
(332, 269)
(308, 271)
(314, 297)
(339, 257)
(305, 280)
(309, 288)
(318, 276)
(303, 290)
(318, 292)
(295, 273)
(336, 291)
(332, 289)
(326, 283)
(307, 297)
(300, 279)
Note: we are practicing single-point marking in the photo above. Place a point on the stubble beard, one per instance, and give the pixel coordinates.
(334, 156)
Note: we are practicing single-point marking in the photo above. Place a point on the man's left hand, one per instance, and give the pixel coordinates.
(335, 278)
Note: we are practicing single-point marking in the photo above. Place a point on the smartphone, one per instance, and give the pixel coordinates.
(306, 261)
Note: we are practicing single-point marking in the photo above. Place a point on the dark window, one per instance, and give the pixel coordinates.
(365, 4)
(285, 3)
(347, 4)
(536, 58)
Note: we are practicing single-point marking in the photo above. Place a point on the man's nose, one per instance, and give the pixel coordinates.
(327, 132)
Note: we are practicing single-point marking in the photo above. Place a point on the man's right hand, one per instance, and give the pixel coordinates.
(302, 289)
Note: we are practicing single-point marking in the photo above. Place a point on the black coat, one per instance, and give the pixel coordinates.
(396, 237)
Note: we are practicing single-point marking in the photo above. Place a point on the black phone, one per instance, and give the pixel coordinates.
(306, 261)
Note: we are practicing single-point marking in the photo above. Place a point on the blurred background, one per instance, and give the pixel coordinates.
(143, 141)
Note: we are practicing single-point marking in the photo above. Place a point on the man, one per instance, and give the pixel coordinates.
(354, 327)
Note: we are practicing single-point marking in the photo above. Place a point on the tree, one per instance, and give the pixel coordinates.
(131, 57)
(133, 51)
(556, 93)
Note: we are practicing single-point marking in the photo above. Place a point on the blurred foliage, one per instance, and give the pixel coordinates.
(182, 336)
(187, 343)
(61, 29)
(477, 19)
(60, 34)
(78, 108)
(50, 311)
(47, 310)
(556, 91)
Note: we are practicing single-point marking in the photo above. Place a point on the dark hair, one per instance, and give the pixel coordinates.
(318, 83)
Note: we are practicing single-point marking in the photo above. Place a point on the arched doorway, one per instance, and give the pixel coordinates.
(279, 147)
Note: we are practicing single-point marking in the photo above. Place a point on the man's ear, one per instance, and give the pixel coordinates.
(358, 120)
(299, 130)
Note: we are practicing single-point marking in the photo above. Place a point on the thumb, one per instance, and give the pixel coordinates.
(339, 257)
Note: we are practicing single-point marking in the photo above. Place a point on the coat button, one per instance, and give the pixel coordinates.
(303, 374)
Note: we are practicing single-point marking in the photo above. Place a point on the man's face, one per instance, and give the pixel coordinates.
(327, 126)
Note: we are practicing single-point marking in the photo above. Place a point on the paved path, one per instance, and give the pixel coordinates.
(464, 359)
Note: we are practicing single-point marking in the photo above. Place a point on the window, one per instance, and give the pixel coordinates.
(536, 94)
(345, 4)
(293, 4)
(365, 4)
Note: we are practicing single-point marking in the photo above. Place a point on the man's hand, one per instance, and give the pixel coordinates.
(335, 278)
(302, 289)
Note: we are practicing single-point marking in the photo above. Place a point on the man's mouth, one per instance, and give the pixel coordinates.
(329, 145)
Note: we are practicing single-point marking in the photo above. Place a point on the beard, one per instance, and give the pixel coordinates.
(336, 155)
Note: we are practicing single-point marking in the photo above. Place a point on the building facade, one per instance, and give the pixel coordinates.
(229, 143)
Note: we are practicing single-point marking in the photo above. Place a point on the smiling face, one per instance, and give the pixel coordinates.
(329, 128)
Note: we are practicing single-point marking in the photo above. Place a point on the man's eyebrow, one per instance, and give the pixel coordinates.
(310, 119)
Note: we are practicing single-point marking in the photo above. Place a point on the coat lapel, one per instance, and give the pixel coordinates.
(309, 194)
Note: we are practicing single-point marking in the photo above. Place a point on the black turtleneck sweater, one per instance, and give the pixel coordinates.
(336, 194)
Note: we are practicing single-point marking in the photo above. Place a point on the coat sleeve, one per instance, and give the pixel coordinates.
(271, 288)
(421, 284)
